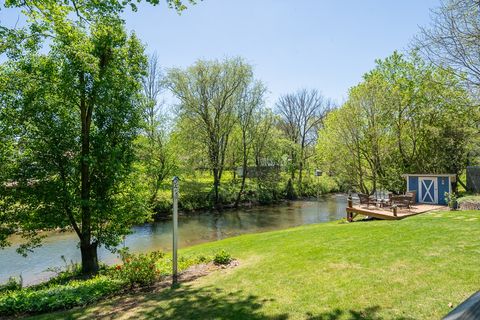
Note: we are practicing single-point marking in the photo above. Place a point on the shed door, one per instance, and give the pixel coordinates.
(428, 190)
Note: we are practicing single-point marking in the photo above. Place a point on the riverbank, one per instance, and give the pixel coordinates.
(196, 194)
(409, 269)
(193, 229)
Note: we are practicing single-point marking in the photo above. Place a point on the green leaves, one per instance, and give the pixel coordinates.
(99, 67)
(210, 93)
(405, 117)
(56, 297)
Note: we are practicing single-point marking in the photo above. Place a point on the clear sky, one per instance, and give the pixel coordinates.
(323, 44)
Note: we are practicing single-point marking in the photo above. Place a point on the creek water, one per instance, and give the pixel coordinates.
(193, 229)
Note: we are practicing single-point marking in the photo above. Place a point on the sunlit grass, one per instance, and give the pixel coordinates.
(408, 269)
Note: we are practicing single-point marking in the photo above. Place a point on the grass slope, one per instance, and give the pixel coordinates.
(409, 269)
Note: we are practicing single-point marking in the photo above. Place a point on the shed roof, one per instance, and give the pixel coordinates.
(452, 176)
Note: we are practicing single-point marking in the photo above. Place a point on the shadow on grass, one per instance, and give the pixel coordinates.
(370, 313)
(187, 302)
(184, 302)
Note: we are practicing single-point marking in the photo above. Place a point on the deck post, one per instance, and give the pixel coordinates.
(349, 216)
(394, 208)
(350, 205)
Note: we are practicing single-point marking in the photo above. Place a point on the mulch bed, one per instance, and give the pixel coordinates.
(470, 205)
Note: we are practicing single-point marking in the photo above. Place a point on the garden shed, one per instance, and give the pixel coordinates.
(430, 188)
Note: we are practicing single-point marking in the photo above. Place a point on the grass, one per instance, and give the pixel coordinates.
(408, 269)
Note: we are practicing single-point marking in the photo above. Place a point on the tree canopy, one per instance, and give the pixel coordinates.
(70, 114)
(405, 117)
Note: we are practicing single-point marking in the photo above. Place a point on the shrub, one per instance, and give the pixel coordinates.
(62, 292)
(138, 269)
(12, 284)
(162, 205)
(56, 297)
(470, 202)
(70, 271)
(222, 258)
(451, 200)
(290, 193)
(312, 187)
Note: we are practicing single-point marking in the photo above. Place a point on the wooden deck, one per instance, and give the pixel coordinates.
(387, 213)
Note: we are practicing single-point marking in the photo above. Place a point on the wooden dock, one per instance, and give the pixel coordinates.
(387, 213)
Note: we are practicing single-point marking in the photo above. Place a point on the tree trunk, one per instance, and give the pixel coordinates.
(89, 258)
(455, 186)
(244, 175)
(292, 166)
(88, 250)
(300, 173)
(216, 184)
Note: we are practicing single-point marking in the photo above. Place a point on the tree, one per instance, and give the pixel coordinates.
(80, 104)
(154, 148)
(250, 105)
(266, 138)
(69, 118)
(301, 114)
(209, 92)
(452, 39)
(399, 119)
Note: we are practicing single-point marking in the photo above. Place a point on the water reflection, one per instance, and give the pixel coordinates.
(193, 229)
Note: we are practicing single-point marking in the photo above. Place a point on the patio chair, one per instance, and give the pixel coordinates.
(401, 201)
(412, 195)
(366, 199)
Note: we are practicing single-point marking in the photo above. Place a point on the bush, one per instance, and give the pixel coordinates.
(222, 258)
(62, 292)
(70, 271)
(138, 269)
(54, 297)
(314, 186)
(162, 205)
(12, 284)
(290, 193)
(451, 200)
(470, 202)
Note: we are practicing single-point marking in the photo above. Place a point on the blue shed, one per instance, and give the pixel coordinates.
(430, 188)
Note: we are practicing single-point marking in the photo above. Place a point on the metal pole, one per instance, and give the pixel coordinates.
(175, 229)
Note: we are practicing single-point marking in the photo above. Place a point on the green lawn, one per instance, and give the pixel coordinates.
(409, 269)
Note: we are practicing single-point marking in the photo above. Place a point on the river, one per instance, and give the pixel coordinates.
(193, 229)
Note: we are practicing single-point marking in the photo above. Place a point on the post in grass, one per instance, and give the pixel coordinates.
(175, 192)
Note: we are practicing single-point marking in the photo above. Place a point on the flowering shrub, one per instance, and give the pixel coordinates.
(138, 269)
(65, 291)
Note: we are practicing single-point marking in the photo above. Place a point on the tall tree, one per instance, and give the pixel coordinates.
(69, 118)
(249, 106)
(265, 138)
(301, 114)
(75, 112)
(209, 92)
(399, 120)
(452, 39)
(154, 148)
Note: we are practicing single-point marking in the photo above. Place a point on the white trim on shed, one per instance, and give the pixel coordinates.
(453, 177)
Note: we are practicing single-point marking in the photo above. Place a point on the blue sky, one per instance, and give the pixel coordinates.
(292, 44)
(323, 44)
